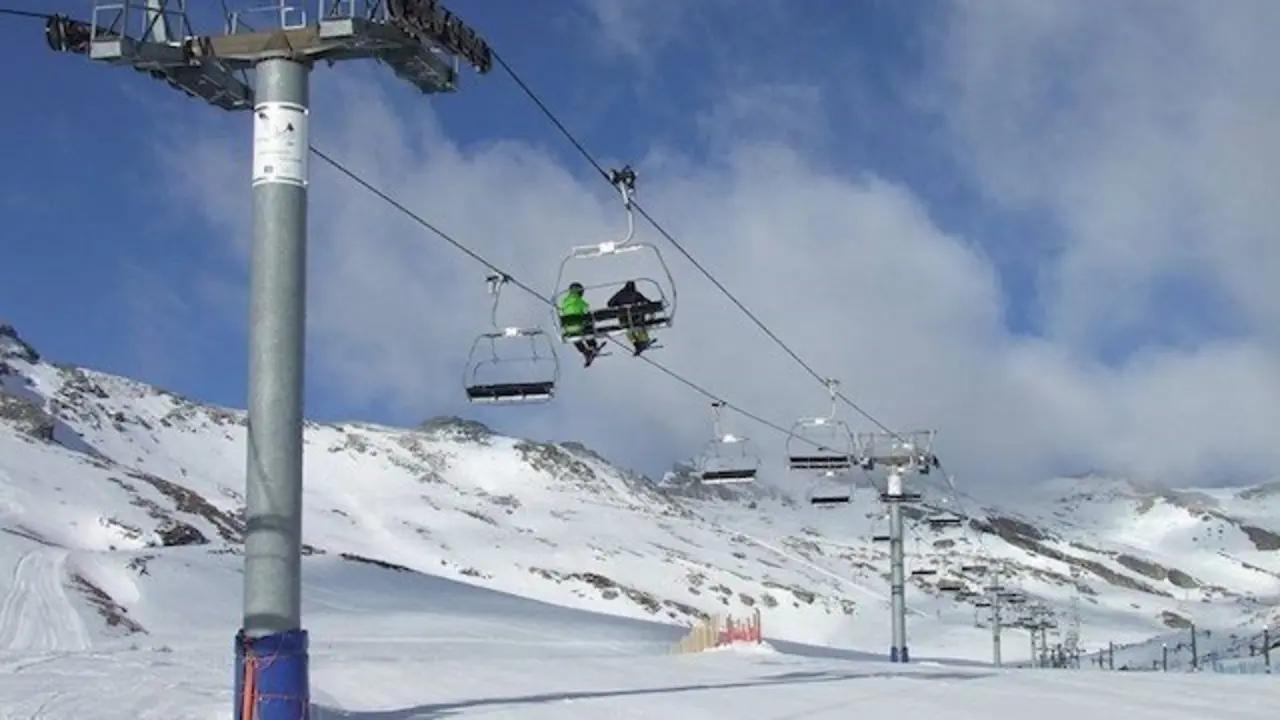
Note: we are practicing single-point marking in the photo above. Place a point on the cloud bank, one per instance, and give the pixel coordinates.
(1138, 139)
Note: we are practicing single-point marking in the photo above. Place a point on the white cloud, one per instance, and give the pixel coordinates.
(1141, 130)
(636, 28)
(1142, 179)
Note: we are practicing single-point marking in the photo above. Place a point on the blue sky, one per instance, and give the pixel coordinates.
(108, 266)
(92, 228)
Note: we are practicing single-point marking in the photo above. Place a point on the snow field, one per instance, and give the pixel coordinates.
(392, 645)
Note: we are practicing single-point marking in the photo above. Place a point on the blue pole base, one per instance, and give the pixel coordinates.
(898, 655)
(274, 671)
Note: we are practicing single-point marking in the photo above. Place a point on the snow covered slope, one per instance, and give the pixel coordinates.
(398, 645)
(102, 476)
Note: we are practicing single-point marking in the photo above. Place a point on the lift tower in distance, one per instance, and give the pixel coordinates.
(280, 41)
(901, 454)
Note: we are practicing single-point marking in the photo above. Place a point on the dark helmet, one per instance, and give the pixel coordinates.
(576, 288)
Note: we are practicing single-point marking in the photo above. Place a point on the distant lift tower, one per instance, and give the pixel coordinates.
(900, 454)
(280, 41)
(1071, 641)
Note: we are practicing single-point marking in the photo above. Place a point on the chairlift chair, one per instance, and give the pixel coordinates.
(950, 584)
(1012, 597)
(529, 348)
(824, 494)
(604, 321)
(829, 497)
(880, 534)
(918, 554)
(835, 443)
(727, 459)
(940, 522)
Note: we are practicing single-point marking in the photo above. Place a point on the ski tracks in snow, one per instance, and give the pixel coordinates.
(37, 614)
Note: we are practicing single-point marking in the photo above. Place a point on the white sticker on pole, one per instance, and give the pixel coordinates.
(280, 144)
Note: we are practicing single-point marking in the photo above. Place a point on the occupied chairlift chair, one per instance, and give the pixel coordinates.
(726, 459)
(603, 322)
(825, 445)
(541, 368)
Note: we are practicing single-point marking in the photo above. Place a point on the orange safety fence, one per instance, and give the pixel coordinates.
(719, 630)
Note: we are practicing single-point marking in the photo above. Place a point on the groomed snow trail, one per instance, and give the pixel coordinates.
(36, 614)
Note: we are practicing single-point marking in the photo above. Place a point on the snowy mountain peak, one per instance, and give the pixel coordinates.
(13, 346)
(452, 426)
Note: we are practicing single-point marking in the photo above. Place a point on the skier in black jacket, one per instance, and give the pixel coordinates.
(627, 297)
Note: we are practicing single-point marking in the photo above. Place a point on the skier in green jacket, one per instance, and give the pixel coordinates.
(575, 321)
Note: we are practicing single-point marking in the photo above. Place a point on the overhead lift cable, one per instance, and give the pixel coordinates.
(639, 209)
(380, 194)
(533, 96)
(26, 13)
(582, 150)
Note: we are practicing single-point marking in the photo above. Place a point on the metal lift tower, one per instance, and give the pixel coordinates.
(279, 41)
(1071, 641)
(900, 454)
(996, 599)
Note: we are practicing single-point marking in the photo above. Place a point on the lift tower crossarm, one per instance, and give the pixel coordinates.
(155, 36)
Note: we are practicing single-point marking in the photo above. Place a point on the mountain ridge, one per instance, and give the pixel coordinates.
(98, 463)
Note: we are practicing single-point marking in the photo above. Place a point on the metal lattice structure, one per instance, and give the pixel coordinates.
(421, 42)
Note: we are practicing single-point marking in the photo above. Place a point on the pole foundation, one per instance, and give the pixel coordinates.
(272, 677)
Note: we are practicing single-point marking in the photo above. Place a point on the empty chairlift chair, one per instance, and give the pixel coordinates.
(728, 458)
(880, 531)
(510, 365)
(944, 521)
(602, 321)
(825, 446)
(829, 492)
(922, 570)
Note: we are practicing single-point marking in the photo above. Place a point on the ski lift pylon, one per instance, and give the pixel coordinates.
(823, 444)
(605, 321)
(536, 384)
(727, 459)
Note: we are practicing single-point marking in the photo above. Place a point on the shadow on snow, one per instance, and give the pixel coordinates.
(445, 710)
